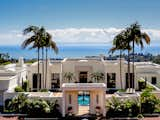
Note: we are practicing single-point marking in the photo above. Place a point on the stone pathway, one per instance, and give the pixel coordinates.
(83, 110)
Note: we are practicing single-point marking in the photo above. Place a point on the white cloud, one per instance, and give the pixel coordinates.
(74, 35)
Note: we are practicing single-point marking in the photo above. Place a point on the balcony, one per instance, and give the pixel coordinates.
(83, 86)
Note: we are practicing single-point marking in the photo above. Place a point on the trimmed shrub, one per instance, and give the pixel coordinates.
(18, 89)
(141, 84)
(33, 107)
(148, 101)
(122, 108)
(43, 90)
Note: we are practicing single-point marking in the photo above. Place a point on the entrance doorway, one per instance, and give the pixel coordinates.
(83, 102)
(83, 77)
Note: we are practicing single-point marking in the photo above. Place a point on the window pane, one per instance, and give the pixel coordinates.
(111, 80)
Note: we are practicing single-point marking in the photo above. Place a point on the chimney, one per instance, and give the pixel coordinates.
(21, 62)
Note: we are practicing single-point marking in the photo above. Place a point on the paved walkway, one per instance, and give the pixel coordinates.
(83, 110)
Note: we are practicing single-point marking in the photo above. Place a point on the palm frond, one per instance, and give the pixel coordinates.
(146, 37)
(54, 46)
(29, 29)
(28, 41)
(112, 50)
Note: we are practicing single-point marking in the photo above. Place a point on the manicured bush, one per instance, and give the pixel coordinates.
(18, 89)
(122, 108)
(16, 103)
(141, 84)
(33, 107)
(149, 101)
(44, 90)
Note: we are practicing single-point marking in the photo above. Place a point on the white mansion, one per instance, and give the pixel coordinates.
(81, 68)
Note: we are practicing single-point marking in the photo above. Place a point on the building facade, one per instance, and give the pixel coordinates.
(82, 70)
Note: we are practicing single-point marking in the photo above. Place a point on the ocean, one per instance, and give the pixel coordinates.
(71, 50)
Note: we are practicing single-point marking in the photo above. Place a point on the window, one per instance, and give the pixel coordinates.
(35, 80)
(55, 81)
(154, 80)
(111, 80)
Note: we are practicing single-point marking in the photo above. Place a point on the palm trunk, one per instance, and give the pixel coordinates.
(133, 67)
(38, 76)
(46, 67)
(121, 69)
(43, 66)
(128, 69)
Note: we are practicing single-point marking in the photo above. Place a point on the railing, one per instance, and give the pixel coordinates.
(83, 85)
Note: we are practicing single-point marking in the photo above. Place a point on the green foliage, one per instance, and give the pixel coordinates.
(121, 108)
(32, 107)
(149, 101)
(15, 105)
(122, 90)
(25, 86)
(5, 63)
(141, 84)
(44, 90)
(30, 61)
(18, 89)
(148, 87)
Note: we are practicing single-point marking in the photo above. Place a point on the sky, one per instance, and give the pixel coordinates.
(78, 21)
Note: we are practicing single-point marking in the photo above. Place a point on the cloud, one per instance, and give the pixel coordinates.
(75, 35)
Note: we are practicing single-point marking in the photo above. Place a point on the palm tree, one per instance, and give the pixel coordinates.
(128, 48)
(68, 76)
(49, 43)
(119, 44)
(97, 76)
(42, 48)
(35, 41)
(136, 36)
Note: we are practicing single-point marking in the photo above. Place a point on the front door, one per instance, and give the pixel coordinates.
(83, 77)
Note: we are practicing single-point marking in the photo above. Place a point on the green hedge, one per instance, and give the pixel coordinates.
(18, 89)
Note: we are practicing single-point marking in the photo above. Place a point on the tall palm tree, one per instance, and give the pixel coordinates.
(43, 31)
(119, 44)
(49, 43)
(34, 41)
(97, 76)
(137, 37)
